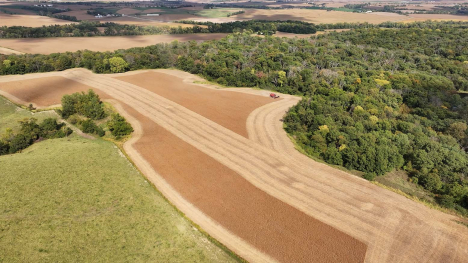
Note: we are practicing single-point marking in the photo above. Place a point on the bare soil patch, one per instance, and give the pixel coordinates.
(44, 92)
(29, 20)
(64, 44)
(229, 109)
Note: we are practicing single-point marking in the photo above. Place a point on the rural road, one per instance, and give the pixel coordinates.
(394, 228)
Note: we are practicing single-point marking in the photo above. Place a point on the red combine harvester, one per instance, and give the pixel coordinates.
(274, 96)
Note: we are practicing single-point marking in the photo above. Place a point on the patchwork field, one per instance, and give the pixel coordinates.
(104, 210)
(64, 44)
(229, 184)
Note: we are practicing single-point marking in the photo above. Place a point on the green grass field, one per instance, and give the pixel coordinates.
(217, 12)
(80, 200)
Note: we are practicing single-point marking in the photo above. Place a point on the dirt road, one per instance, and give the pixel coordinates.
(395, 229)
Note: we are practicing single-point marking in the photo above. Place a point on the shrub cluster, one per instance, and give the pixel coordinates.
(119, 126)
(91, 108)
(86, 104)
(31, 132)
(89, 126)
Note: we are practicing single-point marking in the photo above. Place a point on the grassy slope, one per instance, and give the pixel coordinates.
(80, 200)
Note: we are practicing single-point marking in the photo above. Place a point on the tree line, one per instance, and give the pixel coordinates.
(90, 29)
(369, 104)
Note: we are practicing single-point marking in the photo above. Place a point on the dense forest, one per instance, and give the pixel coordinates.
(375, 100)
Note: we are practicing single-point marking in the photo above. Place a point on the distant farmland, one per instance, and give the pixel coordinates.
(318, 16)
(30, 20)
(64, 44)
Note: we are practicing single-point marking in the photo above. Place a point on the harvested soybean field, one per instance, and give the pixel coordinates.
(220, 106)
(41, 92)
(199, 161)
(71, 44)
(55, 208)
(29, 20)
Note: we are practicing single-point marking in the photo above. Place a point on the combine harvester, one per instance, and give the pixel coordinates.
(274, 96)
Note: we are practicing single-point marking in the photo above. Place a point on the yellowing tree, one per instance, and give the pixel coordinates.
(117, 65)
